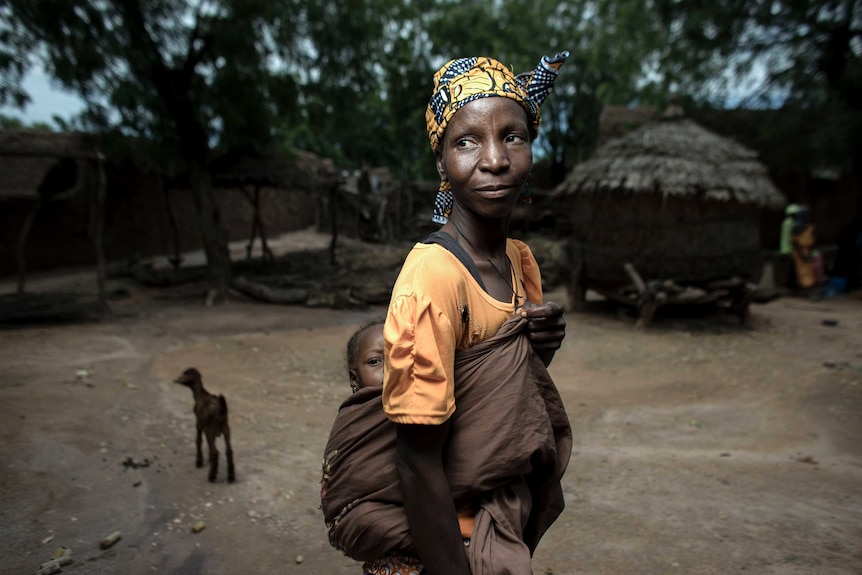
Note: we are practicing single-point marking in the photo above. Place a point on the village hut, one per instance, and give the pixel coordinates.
(39, 168)
(677, 203)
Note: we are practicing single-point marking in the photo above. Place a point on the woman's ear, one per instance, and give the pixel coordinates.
(441, 166)
(354, 380)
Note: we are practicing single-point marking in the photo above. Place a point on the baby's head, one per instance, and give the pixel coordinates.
(365, 356)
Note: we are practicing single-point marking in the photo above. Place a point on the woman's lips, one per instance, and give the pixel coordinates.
(495, 190)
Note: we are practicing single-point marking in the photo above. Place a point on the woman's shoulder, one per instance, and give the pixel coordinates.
(428, 264)
(520, 250)
(427, 256)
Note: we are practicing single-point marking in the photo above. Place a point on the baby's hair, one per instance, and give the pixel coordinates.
(354, 340)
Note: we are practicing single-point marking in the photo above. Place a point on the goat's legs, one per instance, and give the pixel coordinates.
(199, 461)
(213, 452)
(231, 476)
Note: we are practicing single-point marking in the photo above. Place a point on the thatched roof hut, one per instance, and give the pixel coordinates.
(287, 171)
(39, 167)
(26, 156)
(675, 200)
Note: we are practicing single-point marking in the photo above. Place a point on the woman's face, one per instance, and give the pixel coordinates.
(368, 371)
(486, 156)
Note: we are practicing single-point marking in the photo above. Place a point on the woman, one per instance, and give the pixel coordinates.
(431, 486)
(457, 291)
(807, 261)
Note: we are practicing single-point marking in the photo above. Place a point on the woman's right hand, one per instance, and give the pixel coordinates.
(428, 501)
(546, 328)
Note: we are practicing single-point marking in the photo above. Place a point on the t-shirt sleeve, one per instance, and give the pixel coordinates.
(418, 385)
(530, 273)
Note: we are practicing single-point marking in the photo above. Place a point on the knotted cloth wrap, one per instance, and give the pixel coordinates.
(463, 80)
(509, 445)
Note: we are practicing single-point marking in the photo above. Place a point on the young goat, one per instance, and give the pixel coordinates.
(211, 415)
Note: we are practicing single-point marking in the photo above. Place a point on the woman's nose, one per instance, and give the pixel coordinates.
(495, 157)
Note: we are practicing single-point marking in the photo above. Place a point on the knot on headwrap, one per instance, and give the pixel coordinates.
(463, 80)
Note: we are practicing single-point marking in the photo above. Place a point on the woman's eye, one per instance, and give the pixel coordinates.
(515, 138)
(374, 361)
(464, 143)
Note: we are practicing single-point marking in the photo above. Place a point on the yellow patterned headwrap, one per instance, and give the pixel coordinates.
(463, 80)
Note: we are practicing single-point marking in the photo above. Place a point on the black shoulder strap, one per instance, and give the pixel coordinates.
(456, 250)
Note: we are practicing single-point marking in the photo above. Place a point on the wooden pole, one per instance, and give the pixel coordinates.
(97, 222)
(22, 246)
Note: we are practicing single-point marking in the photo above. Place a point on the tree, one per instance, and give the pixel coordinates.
(185, 76)
(196, 77)
(805, 54)
(12, 123)
(157, 69)
(614, 48)
(360, 82)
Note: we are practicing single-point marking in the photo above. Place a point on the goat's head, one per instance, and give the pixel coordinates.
(189, 377)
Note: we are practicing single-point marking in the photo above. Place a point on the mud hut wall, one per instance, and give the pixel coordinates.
(664, 237)
(137, 223)
(58, 237)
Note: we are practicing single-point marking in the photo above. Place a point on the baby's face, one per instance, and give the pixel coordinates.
(369, 357)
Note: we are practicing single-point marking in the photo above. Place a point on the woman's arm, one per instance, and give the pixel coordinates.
(428, 500)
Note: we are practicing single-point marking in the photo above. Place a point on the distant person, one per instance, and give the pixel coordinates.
(807, 262)
(786, 242)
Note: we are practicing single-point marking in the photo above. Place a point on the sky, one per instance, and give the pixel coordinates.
(46, 101)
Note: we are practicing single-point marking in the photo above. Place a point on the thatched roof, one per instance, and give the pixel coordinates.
(675, 157)
(299, 169)
(27, 155)
(43, 143)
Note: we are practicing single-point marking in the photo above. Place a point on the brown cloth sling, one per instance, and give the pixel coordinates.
(509, 445)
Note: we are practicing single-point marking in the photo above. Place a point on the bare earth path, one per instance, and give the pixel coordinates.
(701, 447)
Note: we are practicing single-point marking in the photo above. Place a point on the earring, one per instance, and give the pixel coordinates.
(527, 196)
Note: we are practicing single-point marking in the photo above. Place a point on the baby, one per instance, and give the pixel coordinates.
(365, 356)
(347, 466)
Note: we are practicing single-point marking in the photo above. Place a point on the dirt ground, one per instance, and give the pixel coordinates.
(701, 446)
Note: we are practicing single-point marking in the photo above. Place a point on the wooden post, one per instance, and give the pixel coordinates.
(640, 285)
(577, 287)
(97, 222)
(648, 301)
(334, 189)
(647, 309)
(21, 250)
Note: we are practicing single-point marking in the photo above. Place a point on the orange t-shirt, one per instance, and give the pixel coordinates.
(437, 307)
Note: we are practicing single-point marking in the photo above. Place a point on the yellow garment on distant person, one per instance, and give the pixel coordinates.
(436, 308)
(786, 239)
(803, 257)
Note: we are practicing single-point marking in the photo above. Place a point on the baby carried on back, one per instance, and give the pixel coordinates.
(509, 445)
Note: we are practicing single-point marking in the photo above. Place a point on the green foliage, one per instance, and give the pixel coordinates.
(803, 55)
(13, 123)
(10, 123)
(614, 46)
(350, 79)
